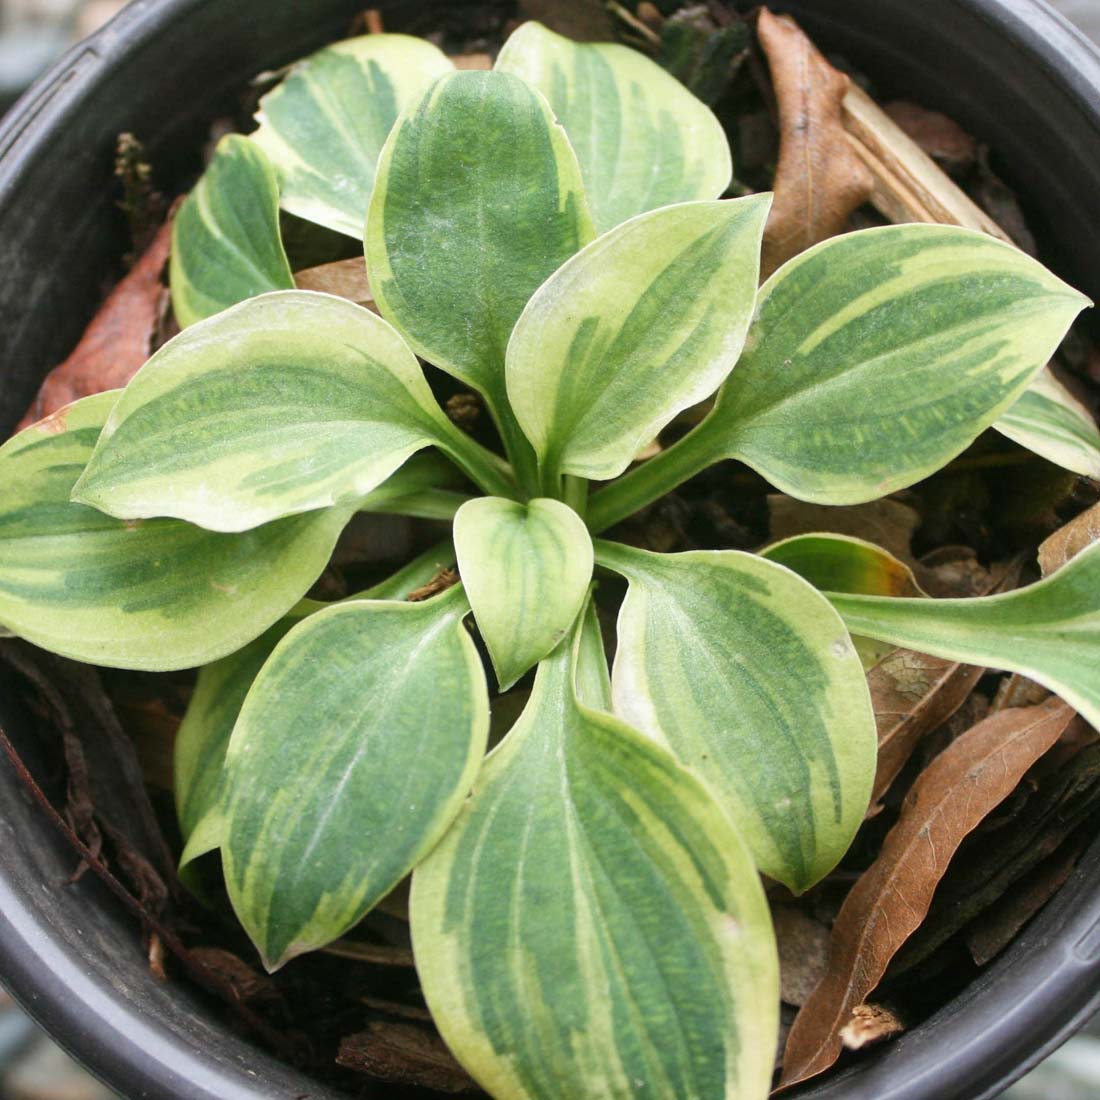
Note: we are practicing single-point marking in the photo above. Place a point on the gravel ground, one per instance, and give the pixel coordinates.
(32, 34)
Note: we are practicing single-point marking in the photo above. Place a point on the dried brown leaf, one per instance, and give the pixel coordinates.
(1070, 540)
(912, 693)
(581, 20)
(887, 523)
(969, 779)
(116, 342)
(405, 1054)
(803, 948)
(344, 278)
(820, 179)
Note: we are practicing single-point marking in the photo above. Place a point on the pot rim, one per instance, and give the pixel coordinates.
(1050, 982)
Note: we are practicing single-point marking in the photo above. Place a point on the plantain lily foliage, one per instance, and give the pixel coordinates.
(586, 905)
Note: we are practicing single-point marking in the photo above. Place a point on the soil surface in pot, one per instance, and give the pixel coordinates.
(353, 1016)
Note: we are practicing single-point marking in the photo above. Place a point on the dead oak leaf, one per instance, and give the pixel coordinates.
(820, 179)
(1068, 541)
(969, 779)
(116, 342)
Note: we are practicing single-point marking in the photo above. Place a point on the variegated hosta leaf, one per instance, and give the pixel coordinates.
(203, 736)
(426, 486)
(526, 569)
(288, 402)
(225, 237)
(841, 563)
(643, 140)
(645, 321)
(749, 677)
(151, 594)
(219, 694)
(592, 925)
(479, 198)
(1049, 631)
(878, 356)
(1050, 421)
(353, 752)
(324, 126)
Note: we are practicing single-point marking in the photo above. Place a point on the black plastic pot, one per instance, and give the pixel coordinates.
(1010, 70)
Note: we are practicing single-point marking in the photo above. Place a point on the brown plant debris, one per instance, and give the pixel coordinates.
(912, 694)
(1056, 798)
(581, 20)
(820, 180)
(344, 278)
(247, 983)
(869, 1024)
(405, 1054)
(1001, 923)
(464, 410)
(443, 580)
(887, 523)
(940, 137)
(116, 342)
(1070, 540)
(803, 946)
(969, 779)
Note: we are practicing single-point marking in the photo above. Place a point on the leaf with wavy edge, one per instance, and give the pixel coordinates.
(203, 736)
(878, 356)
(874, 358)
(478, 200)
(1049, 631)
(286, 403)
(645, 321)
(642, 139)
(1050, 421)
(526, 569)
(154, 594)
(319, 828)
(592, 920)
(226, 245)
(323, 127)
(748, 676)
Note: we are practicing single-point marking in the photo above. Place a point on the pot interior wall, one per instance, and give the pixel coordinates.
(162, 71)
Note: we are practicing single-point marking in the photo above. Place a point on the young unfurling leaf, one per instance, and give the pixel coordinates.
(526, 569)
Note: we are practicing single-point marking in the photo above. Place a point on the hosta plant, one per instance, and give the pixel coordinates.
(586, 906)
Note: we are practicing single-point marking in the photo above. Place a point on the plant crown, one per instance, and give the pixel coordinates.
(586, 906)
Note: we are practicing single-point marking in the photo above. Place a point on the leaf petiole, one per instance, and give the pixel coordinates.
(654, 478)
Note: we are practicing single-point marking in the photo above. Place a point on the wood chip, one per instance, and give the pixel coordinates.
(343, 278)
(404, 1054)
(869, 1024)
